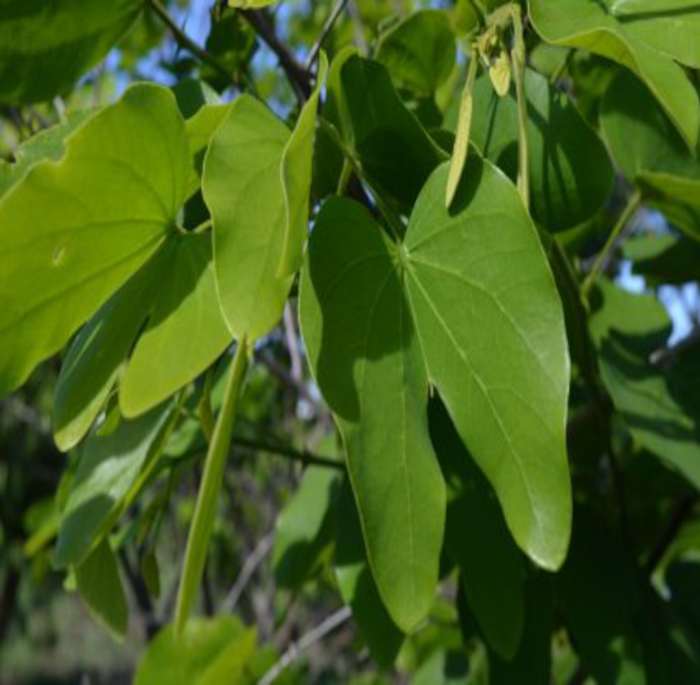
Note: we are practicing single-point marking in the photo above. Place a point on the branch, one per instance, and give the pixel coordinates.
(249, 568)
(186, 43)
(325, 31)
(296, 73)
(296, 649)
(306, 458)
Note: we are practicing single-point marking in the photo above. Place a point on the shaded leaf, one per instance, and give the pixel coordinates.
(596, 26)
(46, 46)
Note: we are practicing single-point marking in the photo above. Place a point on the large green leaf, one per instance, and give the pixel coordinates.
(72, 232)
(45, 45)
(366, 357)
(649, 151)
(383, 322)
(243, 189)
(419, 52)
(108, 471)
(396, 153)
(100, 587)
(595, 25)
(209, 652)
(571, 177)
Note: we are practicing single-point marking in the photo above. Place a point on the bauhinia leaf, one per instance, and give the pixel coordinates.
(466, 304)
(600, 28)
(46, 46)
(243, 189)
(297, 172)
(74, 231)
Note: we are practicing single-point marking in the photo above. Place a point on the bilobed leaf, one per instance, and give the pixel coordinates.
(74, 231)
(467, 304)
(601, 29)
(297, 173)
(185, 333)
(243, 189)
(108, 470)
(396, 153)
(419, 51)
(649, 151)
(304, 527)
(100, 587)
(357, 587)
(367, 360)
(571, 177)
(209, 652)
(46, 46)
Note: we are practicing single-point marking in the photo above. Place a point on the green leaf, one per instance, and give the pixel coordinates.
(649, 151)
(249, 224)
(366, 358)
(492, 569)
(657, 400)
(100, 587)
(419, 52)
(571, 177)
(358, 589)
(175, 294)
(200, 129)
(394, 150)
(304, 527)
(109, 470)
(74, 231)
(595, 26)
(381, 322)
(185, 334)
(533, 663)
(297, 173)
(209, 652)
(47, 144)
(598, 601)
(46, 46)
(663, 259)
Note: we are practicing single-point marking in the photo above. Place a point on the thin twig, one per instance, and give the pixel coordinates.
(290, 332)
(296, 649)
(298, 78)
(305, 458)
(668, 535)
(325, 31)
(250, 566)
(186, 43)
